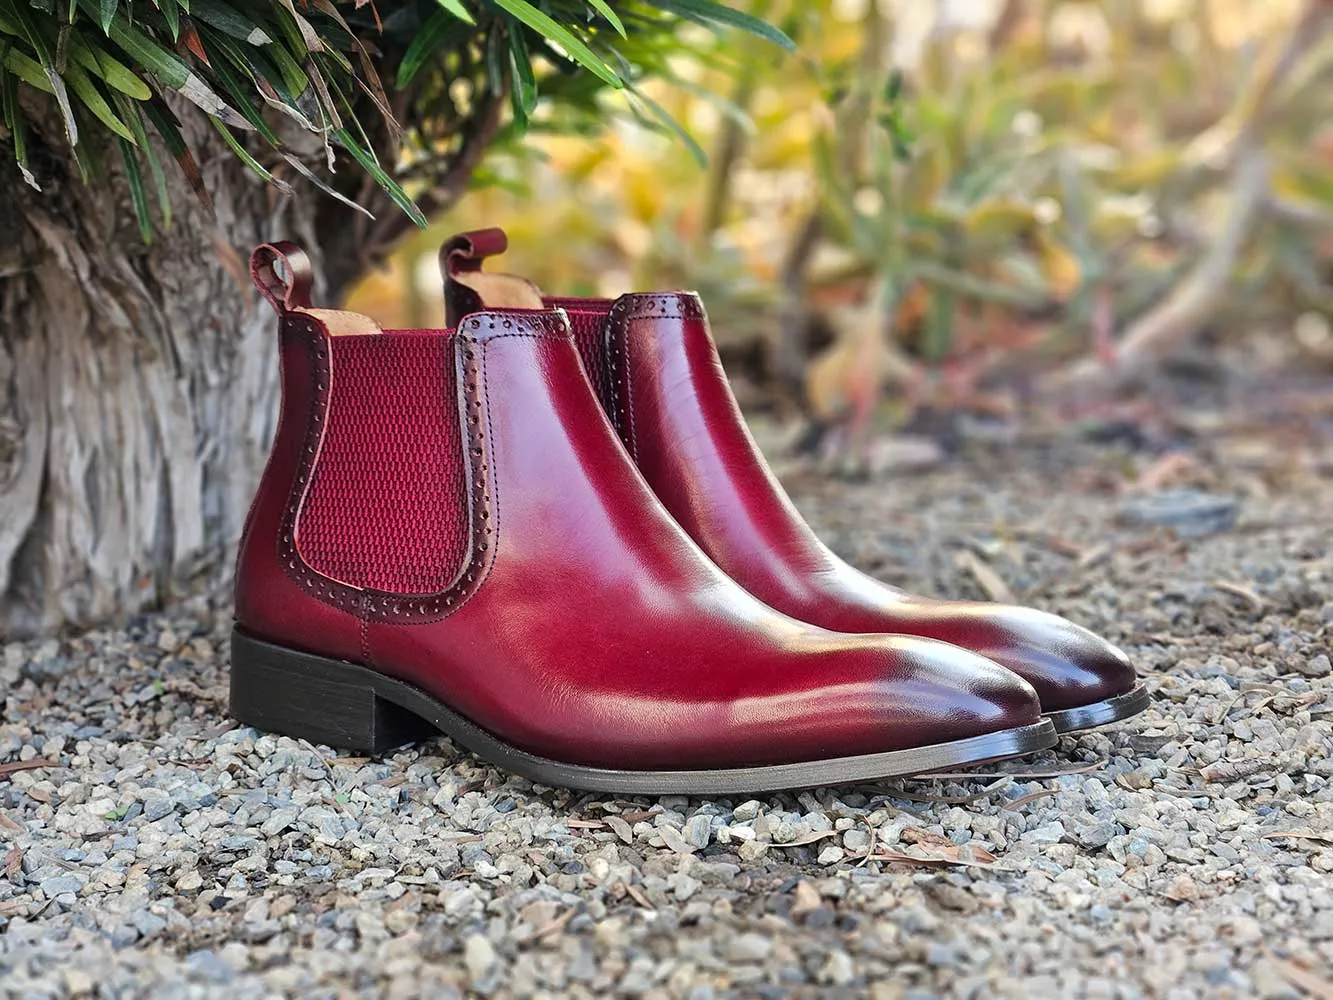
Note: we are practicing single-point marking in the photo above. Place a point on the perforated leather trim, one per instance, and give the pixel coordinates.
(374, 605)
(627, 308)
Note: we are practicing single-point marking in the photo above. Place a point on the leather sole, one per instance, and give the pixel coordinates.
(1100, 713)
(349, 706)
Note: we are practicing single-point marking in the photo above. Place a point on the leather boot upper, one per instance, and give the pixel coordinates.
(453, 508)
(653, 361)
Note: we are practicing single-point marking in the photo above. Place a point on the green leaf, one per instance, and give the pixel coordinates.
(235, 78)
(169, 68)
(717, 14)
(104, 66)
(575, 49)
(524, 90)
(137, 197)
(391, 187)
(309, 36)
(16, 14)
(172, 16)
(456, 8)
(28, 70)
(665, 118)
(229, 21)
(92, 98)
(131, 113)
(438, 27)
(610, 15)
(244, 156)
(106, 13)
(13, 119)
(166, 126)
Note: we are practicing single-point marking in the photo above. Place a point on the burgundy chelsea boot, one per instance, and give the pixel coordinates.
(655, 368)
(449, 537)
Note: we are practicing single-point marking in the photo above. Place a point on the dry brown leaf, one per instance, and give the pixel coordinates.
(1243, 592)
(955, 856)
(674, 841)
(1170, 468)
(1021, 775)
(1228, 770)
(1023, 800)
(807, 899)
(557, 924)
(636, 894)
(585, 824)
(13, 767)
(987, 579)
(231, 263)
(1314, 835)
(622, 829)
(1062, 546)
(1094, 555)
(1304, 979)
(812, 838)
(1134, 781)
(954, 800)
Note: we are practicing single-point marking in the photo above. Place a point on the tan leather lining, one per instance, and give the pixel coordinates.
(502, 291)
(341, 323)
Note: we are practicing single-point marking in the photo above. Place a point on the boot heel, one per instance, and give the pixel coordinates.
(316, 699)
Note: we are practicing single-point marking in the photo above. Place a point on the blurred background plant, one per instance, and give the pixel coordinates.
(941, 198)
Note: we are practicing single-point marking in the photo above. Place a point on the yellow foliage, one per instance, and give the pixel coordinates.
(1140, 116)
(1063, 273)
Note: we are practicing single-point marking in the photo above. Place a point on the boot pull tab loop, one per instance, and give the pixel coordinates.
(285, 291)
(466, 251)
(467, 289)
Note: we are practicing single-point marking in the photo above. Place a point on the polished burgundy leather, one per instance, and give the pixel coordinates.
(587, 627)
(668, 396)
(681, 423)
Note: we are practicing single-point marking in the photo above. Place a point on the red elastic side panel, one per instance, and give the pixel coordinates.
(587, 319)
(387, 504)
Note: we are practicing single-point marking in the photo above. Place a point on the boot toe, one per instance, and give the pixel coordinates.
(877, 694)
(1068, 665)
(925, 692)
(969, 693)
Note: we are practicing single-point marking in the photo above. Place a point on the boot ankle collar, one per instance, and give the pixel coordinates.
(494, 324)
(663, 305)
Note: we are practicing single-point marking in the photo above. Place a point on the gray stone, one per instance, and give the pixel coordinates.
(60, 884)
(698, 830)
(207, 965)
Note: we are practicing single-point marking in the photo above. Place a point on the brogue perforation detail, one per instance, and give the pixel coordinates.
(671, 305)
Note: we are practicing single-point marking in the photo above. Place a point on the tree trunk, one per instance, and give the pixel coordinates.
(138, 385)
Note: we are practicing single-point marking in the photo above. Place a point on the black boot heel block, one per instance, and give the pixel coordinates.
(317, 699)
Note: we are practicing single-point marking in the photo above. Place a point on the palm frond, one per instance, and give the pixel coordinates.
(108, 65)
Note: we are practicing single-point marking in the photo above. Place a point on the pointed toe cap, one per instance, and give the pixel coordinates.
(1069, 666)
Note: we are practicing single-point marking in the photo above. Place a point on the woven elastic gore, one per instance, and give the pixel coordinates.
(387, 506)
(587, 321)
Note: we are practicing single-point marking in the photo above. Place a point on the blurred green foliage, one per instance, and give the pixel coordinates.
(404, 92)
(1032, 176)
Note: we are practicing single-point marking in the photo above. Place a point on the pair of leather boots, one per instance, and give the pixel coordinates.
(547, 533)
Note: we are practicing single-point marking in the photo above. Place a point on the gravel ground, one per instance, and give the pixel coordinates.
(148, 847)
